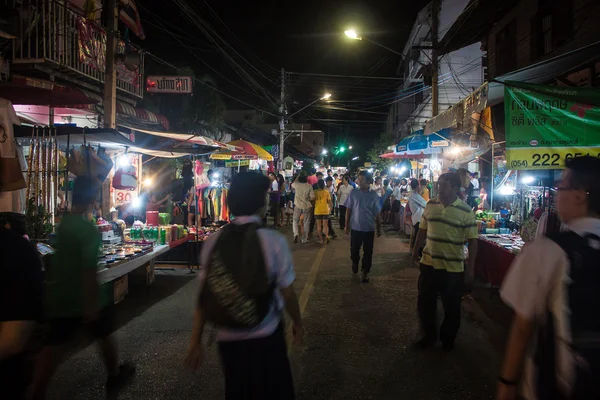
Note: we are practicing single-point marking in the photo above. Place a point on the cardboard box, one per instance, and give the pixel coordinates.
(121, 288)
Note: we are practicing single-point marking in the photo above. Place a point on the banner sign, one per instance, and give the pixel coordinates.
(92, 50)
(241, 163)
(169, 84)
(545, 125)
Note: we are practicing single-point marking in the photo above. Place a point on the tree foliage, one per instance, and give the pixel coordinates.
(379, 147)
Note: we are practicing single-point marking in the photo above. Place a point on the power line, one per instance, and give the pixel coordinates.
(347, 76)
(210, 86)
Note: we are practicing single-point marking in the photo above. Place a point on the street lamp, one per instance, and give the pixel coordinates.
(349, 147)
(326, 96)
(324, 152)
(351, 33)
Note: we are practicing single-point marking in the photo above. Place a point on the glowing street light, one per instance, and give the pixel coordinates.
(349, 147)
(352, 34)
(324, 152)
(342, 149)
(326, 96)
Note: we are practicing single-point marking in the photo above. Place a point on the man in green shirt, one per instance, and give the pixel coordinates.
(73, 295)
(447, 223)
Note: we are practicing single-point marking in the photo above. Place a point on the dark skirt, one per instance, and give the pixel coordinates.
(257, 369)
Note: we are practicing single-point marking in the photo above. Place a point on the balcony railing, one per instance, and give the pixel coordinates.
(53, 33)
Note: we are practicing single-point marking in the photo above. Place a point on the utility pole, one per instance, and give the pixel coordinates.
(110, 73)
(283, 110)
(435, 22)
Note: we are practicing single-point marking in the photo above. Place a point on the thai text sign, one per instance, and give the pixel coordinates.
(169, 84)
(545, 125)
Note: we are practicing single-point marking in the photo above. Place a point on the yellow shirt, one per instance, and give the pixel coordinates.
(425, 194)
(448, 228)
(322, 200)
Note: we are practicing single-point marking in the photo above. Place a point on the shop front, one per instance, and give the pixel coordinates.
(545, 126)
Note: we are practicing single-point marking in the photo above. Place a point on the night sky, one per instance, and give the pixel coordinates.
(300, 36)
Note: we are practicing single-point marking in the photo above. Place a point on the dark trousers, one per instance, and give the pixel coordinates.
(365, 240)
(275, 211)
(257, 369)
(342, 217)
(448, 285)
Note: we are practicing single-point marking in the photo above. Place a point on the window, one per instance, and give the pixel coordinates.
(506, 49)
(552, 27)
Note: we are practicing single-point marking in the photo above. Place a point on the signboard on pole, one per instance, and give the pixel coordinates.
(545, 125)
(169, 84)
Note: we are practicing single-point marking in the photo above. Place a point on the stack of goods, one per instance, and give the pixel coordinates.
(113, 255)
(205, 231)
(159, 235)
(512, 243)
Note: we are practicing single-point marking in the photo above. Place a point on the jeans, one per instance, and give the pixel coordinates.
(342, 217)
(448, 285)
(307, 212)
(365, 240)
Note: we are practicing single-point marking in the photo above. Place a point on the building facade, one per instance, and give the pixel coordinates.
(460, 71)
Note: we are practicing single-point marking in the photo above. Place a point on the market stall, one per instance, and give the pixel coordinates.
(545, 126)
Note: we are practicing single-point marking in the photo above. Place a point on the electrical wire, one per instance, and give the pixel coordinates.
(211, 87)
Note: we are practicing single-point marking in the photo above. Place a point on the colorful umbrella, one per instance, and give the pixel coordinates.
(246, 151)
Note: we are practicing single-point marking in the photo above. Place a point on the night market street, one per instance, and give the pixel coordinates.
(357, 344)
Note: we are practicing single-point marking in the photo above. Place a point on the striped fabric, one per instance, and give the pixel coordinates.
(448, 228)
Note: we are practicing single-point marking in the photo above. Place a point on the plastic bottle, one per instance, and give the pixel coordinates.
(163, 236)
(155, 234)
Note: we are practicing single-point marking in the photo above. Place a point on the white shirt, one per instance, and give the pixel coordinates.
(537, 283)
(274, 186)
(343, 193)
(475, 183)
(280, 267)
(304, 195)
(417, 204)
(377, 189)
(397, 193)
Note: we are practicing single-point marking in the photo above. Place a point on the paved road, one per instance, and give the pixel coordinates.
(358, 343)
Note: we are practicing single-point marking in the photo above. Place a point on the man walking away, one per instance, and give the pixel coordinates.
(446, 224)
(243, 294)
(417, 204)
(343, 192)
(395, 205)
(386, 204)
(21, 305)
(553, 288)
(303, 197)
(362, 218)
(73, 296)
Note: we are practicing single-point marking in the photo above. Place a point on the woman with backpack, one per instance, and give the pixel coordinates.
(323, 204)
(258, 264)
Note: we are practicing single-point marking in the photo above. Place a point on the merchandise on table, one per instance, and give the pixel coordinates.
(512, 243)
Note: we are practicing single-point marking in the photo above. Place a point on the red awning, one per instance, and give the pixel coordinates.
(32, 92)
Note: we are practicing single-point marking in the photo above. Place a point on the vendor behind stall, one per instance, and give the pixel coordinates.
(155, 205)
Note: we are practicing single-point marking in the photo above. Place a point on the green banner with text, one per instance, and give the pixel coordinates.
(545, 125)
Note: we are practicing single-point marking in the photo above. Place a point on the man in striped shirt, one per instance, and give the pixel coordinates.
(447, 223)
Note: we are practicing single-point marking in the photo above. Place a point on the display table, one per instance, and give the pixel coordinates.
(123, 268)
(493, 259)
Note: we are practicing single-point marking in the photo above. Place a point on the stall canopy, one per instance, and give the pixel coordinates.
(418, 145)
(187, 137)
(246, 151)
(109, 139)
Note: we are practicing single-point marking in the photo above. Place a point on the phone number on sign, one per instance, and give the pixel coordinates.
(538, 160)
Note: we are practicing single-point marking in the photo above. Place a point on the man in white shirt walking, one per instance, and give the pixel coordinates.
(417, 204)
(304, 195)
(552, 286)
